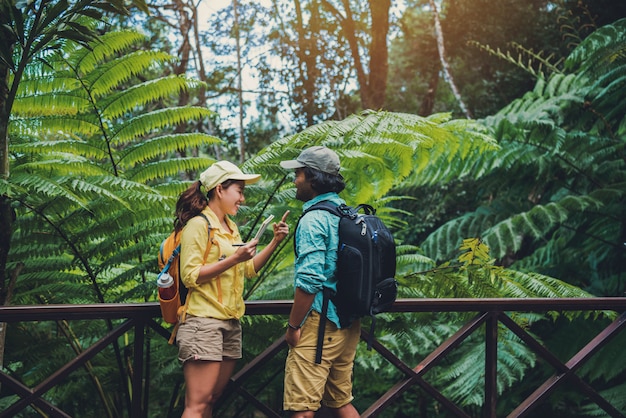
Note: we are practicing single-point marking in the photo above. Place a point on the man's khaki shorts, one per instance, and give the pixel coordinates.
(308, 385)
(209, 339)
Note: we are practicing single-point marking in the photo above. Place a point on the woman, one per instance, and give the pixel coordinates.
(209, 341)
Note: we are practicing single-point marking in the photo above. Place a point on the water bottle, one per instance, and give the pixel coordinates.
(167, 290)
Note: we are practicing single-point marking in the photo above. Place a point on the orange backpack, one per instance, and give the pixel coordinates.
(174, 310)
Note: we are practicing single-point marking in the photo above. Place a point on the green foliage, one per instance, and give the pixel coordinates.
(534, 63)
(52, 24)
(461, 378)
(99, 154)
(553, 193)
(87, 140)
(380, 150)
(550, 202)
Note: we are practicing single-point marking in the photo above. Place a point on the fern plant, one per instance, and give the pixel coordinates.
(552, 202)
(89, 143)
(377, 151)
(556, 185)
(97, 161)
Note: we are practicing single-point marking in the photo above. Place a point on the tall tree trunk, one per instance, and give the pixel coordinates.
(444, 62)
(349, 27)
(379, 55)
(372, 86)
(185, 25)
(242, 147)
(185, 21)
(308, 54)
(428, 101)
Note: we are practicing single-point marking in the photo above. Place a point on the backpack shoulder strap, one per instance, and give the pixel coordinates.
(367, 209)
(328, 206)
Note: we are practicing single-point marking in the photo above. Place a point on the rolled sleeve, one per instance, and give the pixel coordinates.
(250, 272)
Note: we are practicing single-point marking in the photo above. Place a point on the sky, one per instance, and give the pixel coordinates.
(206, 8)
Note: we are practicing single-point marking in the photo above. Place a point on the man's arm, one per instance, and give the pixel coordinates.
(302, 302)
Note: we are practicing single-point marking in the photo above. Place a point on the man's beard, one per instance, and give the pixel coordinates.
(304, 195)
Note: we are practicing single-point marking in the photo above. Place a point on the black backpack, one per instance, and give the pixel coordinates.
(366, 266)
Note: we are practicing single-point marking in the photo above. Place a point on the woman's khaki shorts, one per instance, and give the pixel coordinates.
(308, 385)
(208, 339)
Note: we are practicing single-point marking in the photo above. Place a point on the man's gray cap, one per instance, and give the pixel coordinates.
(317, 157)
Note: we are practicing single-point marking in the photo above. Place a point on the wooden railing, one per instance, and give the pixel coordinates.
(490, 315)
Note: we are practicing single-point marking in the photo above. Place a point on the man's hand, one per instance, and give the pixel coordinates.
(293, 336)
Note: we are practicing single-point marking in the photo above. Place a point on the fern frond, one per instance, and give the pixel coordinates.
(533, 285)
(533, 63)
(49, 104)
(165, 169)
(110, 75)
(47, 188)
(68, 148)
(153, 122)
(51, 125)
(111, 44)
(137, 154)
(380, 149)
(117, 104)
(600, 49)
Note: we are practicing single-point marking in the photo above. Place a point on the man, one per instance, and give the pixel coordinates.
(309, 385)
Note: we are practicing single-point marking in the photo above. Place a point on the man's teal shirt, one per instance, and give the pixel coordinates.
(317, 239)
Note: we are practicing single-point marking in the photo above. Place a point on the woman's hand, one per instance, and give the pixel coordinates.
(281, 229)
(247, 251)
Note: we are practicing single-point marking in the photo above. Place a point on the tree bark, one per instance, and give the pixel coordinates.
(372, 86)
(444, 62)
(185, 23)
(428, 101)
(242, 146)
(379, 55)
(308, 53)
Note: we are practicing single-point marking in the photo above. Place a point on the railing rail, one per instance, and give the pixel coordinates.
(490, 313)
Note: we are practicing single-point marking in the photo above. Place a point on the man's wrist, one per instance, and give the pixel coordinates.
(293, 327)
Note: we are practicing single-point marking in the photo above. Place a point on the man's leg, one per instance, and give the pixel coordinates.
(346, 411)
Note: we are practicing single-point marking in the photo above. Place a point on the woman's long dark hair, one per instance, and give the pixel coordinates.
(192, 201)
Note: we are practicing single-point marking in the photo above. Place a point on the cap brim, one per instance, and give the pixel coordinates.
(292, 164)
(247, 178)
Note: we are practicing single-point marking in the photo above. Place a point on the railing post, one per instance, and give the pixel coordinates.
(491, 365)
(137, 372)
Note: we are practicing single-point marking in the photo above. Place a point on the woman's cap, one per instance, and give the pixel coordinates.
(221, 171)
(317, 157)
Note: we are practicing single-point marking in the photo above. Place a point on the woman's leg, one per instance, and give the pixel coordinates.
(205, 381)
